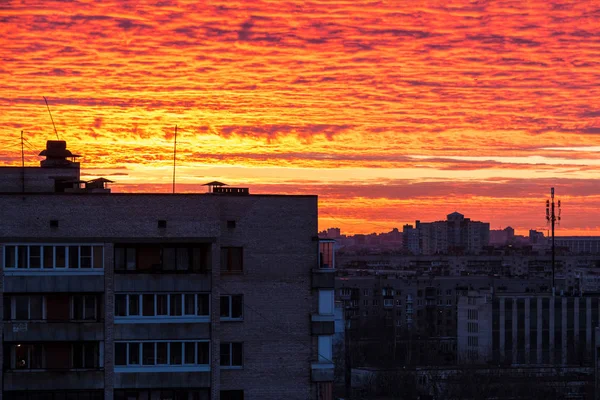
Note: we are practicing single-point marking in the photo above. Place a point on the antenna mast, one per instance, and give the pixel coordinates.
(552, 217)
(174, 157)
(52, 119)
(22, 165)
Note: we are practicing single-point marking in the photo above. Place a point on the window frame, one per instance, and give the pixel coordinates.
(25, 267)
(230, 364)
(126, 256)
(12, 297)
(226, 254)
(168, 366)
(229, 316)
(162, 318)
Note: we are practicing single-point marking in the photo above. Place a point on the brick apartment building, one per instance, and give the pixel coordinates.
(220, 295)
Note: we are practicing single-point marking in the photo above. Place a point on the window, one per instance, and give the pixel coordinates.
(326, 255)
(375, 302)
(345, 292)
(156, 306)
(162, 353)
(83, 307)
(232, 395)
(326, 302)
(26, 356)
(36, 257)
(55, 395)
(84, 355)
(232, 260)
(325, 346)
(388, 302)
(155, 394)
(231, 354)
(365, 302)
(24, 308)
(160, 258)
(448, 302)
(231, 306)
(398, 302)
(365, 292)
(472, 314)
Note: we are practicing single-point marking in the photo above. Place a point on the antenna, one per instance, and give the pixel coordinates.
(52, 119)
(174, 157)
(552, 218)
(22, 165)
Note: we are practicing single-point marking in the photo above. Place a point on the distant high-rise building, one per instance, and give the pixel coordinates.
(456, 234)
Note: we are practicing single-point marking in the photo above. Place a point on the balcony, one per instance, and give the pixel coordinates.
(53, 331)
(144, 380)
(54, 380)
(322, 324)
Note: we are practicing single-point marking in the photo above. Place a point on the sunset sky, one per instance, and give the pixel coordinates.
(390, 111)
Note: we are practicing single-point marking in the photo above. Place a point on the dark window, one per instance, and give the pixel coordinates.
(203, 353)
(232, 395)
(73, 256)
(120, 305)
(203, 304)
(231, 259)
(189, 352)
(9, 257)
(134, 353)
(48, 257)
(159, 258)
(176, 349)
(148, 353)
(162, 304)
(162, 223)
(161, 353)
(231, 354)
(35, 257)
(134, 304)
(53, 223)
(175, 305)
(230, 224)
(120, 353)
(148, 305)
(231, 306)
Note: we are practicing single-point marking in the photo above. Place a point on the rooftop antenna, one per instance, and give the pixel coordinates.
(52, 119)
(552, 217)
(22, 165)
(174, 157)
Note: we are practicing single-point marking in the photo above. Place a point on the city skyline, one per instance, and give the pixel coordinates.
(390, 113)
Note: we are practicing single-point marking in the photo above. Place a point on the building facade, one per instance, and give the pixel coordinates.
(223, 295)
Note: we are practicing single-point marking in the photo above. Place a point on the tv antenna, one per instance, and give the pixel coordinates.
(52, 119)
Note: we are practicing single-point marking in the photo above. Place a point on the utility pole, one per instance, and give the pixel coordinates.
(348, 359)
(174, 157)
(22, 165)
(552, 218)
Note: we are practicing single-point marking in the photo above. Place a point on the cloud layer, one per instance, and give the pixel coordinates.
(450, 98)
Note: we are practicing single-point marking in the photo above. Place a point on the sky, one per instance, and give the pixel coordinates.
(389, 111)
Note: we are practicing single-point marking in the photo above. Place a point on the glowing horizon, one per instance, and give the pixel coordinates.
(389, 112)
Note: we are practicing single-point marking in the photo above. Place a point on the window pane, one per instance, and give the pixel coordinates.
(130, 259)
(236, 354)
(175, 353)
(77, 307)
(161, 304)
(203, 353)
(190, 304)
(198, 260)
(91, 355)
(35, 257)
(134, 353)
(148, 258)
(73, 256)
(22, 356)
(21, 307)
(98, 257)
(134, 304)
(236, 306)
(225, 354)
(161, 353)
(120, 353)
(7, 309)
(48, 257)
(148, 305)
(175, 304)
(77, 355)
(9, 257)
(22, 254)
(120, 305)
(90, 307)
(225, 306)
(190, 352)
(119, 258)
(326, 302)
(203, 303)
(36, 356)
(148, 350)
(35, 307)
(183, 259)
(60, 257)
(85, 253)
(168, 259)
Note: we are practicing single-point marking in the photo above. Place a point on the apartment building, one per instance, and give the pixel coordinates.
(222, 295)
(527, 329)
